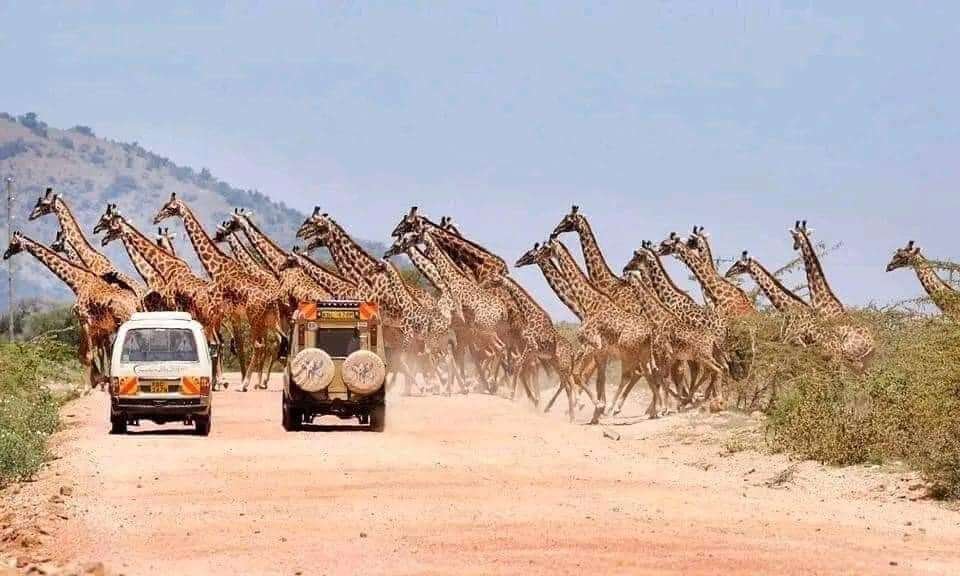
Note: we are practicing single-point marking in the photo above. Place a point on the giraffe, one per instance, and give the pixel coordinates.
(416, 327)
(729, 299)
(635, 295)
(154, 298)
(243, 296)
(699, 240)
(856, 342)
(100, 306)
(802, 325)
(178, 286)
(605, 330)
(484, 314)
(264, 273)
(943, 294)
(50, 203)
(800, 320)
(822, 297)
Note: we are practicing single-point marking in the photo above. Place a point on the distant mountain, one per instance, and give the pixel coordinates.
(90, 172)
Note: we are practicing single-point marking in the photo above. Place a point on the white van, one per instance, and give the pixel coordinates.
(161, 370)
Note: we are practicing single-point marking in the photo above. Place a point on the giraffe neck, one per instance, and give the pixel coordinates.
(821, 296)
(652, 307)
(451, 275)
(72, 275)
(143, 266)
(561, 287)
(529, 307)
(337, 285)
(273, 255)
(591, 299)
(726, 296)
(661, 281)
(483, 263)
(296, 283)
(598, 269)
(935, 286)
(215, 262)
(422, 263)
(708, 253)
(250, 264)
(160, 260)
(782, 298)
(74, 236)
(350, 254)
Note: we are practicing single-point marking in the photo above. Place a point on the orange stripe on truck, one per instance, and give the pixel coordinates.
(128, 385)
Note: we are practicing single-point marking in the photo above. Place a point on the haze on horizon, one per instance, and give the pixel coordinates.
(741, 117)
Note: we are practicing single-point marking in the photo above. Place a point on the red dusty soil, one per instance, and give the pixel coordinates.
(468, 485)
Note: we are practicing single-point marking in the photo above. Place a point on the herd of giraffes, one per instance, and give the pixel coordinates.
(472, 309)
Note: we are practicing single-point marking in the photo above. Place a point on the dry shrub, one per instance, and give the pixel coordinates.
(905, 405)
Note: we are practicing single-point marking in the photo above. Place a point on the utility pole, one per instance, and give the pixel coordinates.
(10, 261)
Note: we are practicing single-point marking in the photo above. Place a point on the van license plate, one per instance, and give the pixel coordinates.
(158, 387)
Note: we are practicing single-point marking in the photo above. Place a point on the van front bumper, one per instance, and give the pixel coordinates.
(166, 405)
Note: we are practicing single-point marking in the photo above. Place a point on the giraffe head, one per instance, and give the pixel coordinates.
(114, 229)
(223, 232)
(402, 244)
(60, 244)
(904, 257)
(165, 239)
(106, 218)
(317, 225)
(16, 245)
(698, 239)
(45, 204)
(800, 233)
(446, 223)
(642, 258)
(173, 208)
(740, 267)
(535, 255)
(672, 245)
(572, 222)
(410, 222)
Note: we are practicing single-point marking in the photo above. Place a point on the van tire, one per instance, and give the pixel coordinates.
(202, 425)
(378, 418)
(291, 418)
(118, 424)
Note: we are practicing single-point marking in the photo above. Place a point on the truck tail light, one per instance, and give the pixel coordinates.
(193, 385)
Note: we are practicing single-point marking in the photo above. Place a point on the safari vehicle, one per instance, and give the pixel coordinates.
(161, 370)
(335, 364)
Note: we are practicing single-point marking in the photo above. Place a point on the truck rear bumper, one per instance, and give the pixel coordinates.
(166, 407)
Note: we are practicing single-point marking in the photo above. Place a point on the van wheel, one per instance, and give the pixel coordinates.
(291, 418)
(118, 425)
(202, 425)
(378, 418)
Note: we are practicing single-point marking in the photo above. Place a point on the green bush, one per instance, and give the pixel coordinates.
(903, 406)
(28, 410)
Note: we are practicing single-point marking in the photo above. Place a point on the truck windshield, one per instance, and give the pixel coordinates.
(159, 345)
(338, 342)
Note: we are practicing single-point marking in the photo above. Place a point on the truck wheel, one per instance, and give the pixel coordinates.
(291, 419)
(118, 424)
(378, 418)
(202, 425)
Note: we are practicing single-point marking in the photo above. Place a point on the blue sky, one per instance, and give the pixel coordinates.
(652, 116)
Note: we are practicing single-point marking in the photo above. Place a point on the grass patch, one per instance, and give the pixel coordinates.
(28, 409)
(905, 405)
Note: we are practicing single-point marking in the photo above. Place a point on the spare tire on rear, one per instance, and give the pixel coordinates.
(312, 370)
(363, 372)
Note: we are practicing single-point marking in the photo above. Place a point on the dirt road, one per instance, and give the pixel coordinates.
(470, 485)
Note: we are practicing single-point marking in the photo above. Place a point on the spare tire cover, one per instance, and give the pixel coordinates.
(363, 372)
(312, 370)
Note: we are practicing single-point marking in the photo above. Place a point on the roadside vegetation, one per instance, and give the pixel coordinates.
(904, 406)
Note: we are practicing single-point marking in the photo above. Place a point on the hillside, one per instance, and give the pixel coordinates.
(91, 171)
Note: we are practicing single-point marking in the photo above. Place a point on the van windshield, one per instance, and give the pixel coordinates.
(159, 345)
